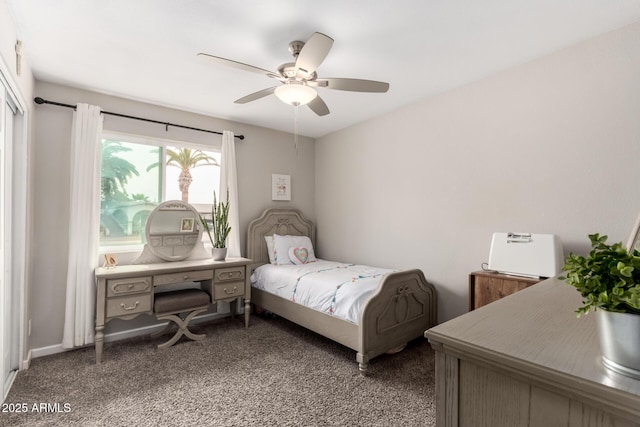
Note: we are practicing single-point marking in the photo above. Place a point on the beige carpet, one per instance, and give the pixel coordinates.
(273, 374)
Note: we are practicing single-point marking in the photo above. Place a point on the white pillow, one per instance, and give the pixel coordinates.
(270, 247)
(282, 244)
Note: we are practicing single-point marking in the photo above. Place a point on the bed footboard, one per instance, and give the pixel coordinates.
(401, 309)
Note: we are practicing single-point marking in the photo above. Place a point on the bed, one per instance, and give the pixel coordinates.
(400, 308)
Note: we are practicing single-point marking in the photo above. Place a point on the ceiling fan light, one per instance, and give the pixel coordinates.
(295, 93)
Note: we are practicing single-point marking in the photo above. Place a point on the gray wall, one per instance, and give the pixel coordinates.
(260, 154)
(551, 146)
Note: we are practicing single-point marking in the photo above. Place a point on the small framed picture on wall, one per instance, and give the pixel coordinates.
(280, 187)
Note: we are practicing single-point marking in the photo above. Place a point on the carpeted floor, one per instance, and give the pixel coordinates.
(273, 374)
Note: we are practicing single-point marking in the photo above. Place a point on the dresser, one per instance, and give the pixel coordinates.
(486, 287)
(127, 291)
(527, 360)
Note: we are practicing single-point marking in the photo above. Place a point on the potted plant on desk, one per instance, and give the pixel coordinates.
(609, 281)
(219, 227)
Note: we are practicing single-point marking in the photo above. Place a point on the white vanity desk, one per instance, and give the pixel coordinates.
(127, 291)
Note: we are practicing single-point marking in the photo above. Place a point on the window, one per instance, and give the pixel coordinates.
(137, 174)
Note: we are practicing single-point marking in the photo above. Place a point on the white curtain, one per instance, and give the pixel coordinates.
(84, 222)
(229, 181)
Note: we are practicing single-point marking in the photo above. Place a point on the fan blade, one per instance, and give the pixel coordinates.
(313, 53)
(256, 95)
(354, 85)
(318, 106)
(239, 65)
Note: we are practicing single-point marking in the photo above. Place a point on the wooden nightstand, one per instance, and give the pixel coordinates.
(486, 287)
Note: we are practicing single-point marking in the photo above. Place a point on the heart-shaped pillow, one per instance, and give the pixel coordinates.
(299, 255)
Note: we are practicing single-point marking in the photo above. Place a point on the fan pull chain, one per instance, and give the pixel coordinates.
(296, 127)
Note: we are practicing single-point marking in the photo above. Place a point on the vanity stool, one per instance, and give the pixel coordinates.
(171, 305)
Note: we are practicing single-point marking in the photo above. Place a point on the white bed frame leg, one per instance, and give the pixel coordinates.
(363, 363)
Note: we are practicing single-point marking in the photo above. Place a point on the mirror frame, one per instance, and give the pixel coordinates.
(177, 205)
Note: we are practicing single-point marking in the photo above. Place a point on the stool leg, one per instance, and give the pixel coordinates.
(178, 321)
(183, 325)
(188, 319)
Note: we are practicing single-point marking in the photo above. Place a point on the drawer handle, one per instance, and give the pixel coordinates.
(228, 292)
(130, 286)
(131, 307)
(185, 277)
(230, 274)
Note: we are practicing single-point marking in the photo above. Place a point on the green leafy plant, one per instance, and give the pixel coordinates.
(608, 278)
(219, 223)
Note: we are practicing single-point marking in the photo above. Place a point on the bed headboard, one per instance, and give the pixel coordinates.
(276, 221)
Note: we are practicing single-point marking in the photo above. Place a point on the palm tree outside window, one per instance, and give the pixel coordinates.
(186, 159)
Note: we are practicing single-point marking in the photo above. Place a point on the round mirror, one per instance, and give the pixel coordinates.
(173, 230)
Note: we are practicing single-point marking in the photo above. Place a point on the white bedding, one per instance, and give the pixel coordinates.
(331, 287)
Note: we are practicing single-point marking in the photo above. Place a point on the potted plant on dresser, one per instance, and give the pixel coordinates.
(218, 230)
(609, 281)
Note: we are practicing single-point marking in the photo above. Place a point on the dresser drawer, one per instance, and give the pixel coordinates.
(229, 274)
(228, 290)
(185, 276)
(135, 285)
(133, 304)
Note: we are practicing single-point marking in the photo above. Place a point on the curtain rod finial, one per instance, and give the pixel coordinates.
(38, 100)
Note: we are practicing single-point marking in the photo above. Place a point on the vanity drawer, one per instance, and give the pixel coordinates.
(229, 274)
(123, 306)
(228, 290)
(185, 276)
(134, 285)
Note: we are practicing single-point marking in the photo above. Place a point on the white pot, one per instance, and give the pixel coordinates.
(619, 335)
(219, 254)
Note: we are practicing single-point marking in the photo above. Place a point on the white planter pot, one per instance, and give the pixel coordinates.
(619, 335)
(219, 254)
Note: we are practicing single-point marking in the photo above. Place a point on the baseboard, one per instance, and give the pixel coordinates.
(117, 336)
(7, 385)
(46, 351)
(26, 362)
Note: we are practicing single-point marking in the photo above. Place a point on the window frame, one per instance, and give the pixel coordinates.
(163, 143)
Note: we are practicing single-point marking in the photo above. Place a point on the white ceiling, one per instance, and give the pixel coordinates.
(146, 49)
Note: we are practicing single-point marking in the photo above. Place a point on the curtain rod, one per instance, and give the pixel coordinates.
(39, 100)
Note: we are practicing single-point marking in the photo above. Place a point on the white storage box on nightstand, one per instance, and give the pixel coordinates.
(526, 254)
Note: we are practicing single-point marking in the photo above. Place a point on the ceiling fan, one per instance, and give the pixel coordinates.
(299, 79)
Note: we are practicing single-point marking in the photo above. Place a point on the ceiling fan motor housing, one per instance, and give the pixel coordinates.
(288, 70)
